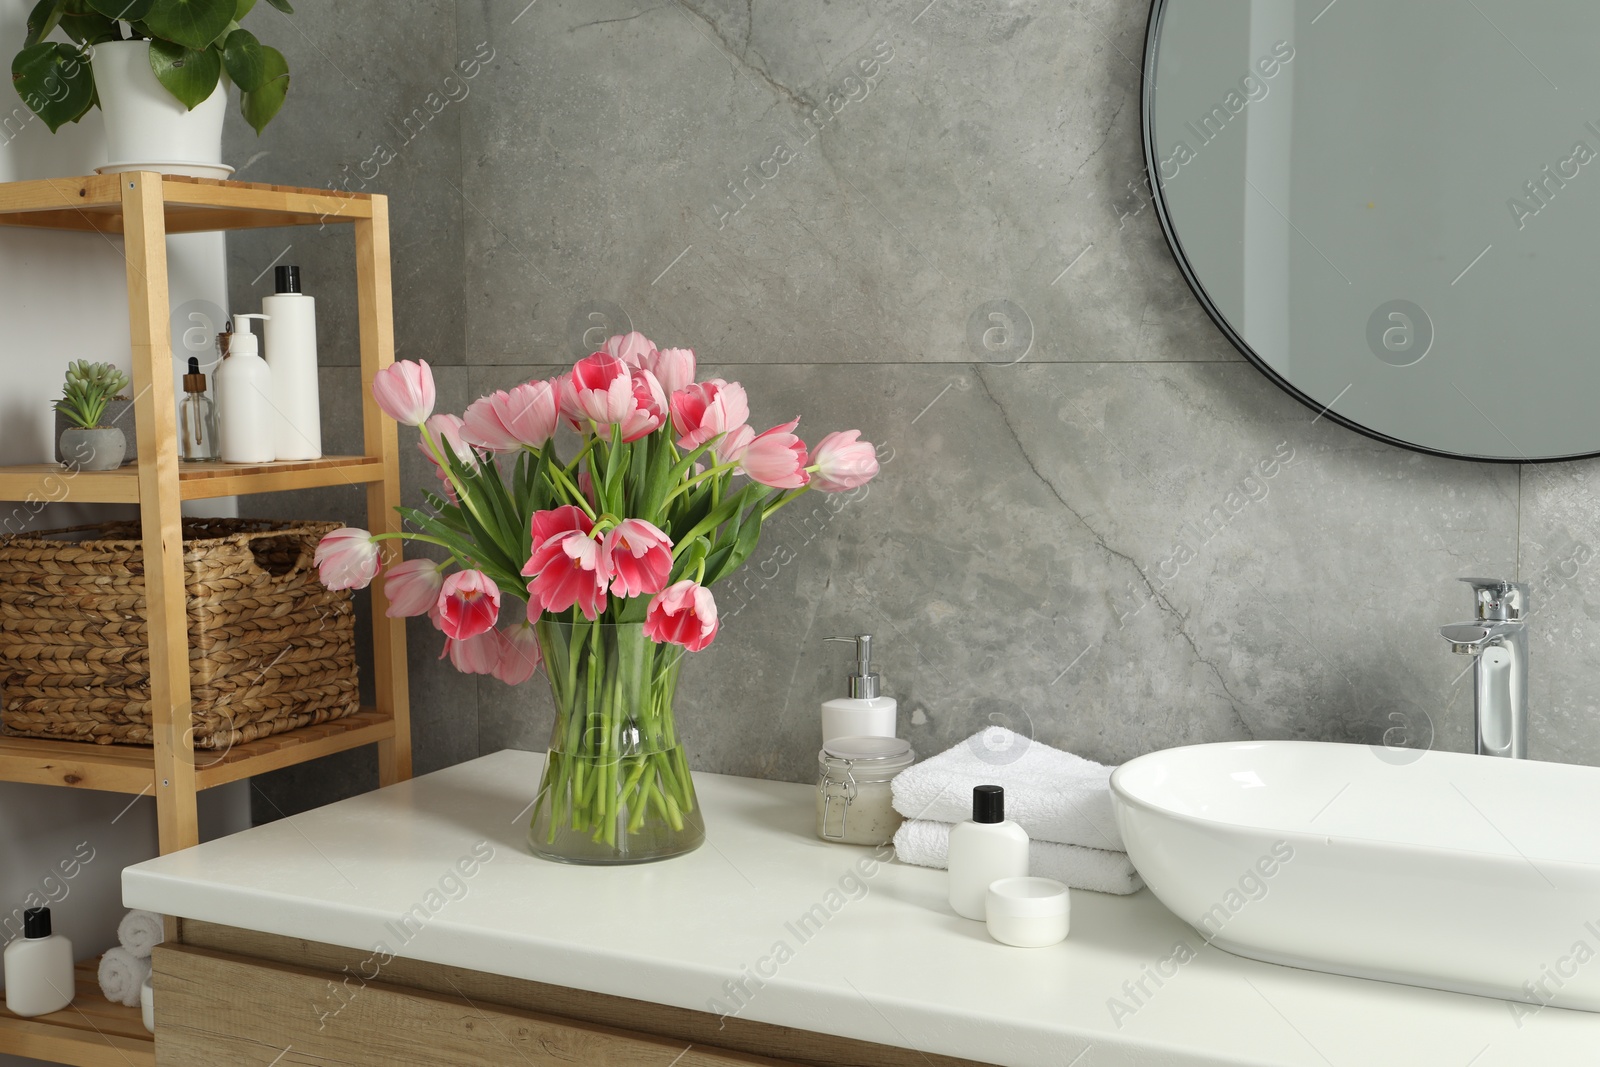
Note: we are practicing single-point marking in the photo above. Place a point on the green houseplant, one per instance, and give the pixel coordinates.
(191, 44)
(86, 443)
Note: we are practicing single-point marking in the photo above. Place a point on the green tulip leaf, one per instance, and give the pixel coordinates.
(259, 105)
(243, 9)
(42, 19)
(282, 5)
(123, 10)
(245, 59)
(191, 23)
(55, 82)
(90, 28)
(189, 74)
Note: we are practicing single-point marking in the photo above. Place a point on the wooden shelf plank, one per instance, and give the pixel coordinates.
(265, 200)
(46, 482)
(366, 727)
(196, 481)
(91, 1032)
(48, 194)
(211, 219)
(131, 768)
(112, 768)
(191, 205)
(88, 220)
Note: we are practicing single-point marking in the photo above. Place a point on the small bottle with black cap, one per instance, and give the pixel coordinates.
(291, 352)
(38, 968)
(984, 850)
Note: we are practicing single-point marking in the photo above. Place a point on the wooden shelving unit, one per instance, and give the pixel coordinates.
(143, 208)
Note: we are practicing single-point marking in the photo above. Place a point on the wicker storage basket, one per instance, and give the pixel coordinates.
(270, 649)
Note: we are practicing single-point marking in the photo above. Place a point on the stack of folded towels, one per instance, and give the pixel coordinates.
(124, 969)
(1063, 802)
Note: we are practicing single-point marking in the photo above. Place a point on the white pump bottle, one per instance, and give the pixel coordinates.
(245, 415)
(863, 713)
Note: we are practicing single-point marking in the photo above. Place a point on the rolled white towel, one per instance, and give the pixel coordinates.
(927, 844)
(1052, 794)
(121, 975)
(141, 931)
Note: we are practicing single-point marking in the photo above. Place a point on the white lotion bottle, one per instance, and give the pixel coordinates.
(984, 850)
(864, 713)
(38, 968)
(244, 398)
(290, 336)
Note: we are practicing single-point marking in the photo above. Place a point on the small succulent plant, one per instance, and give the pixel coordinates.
(89, 386)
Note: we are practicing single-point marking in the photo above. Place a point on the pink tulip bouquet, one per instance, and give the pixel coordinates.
(598, 563)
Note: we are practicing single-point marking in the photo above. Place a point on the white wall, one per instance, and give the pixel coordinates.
(64, 297)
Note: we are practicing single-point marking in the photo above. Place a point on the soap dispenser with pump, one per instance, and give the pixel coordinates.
(244, 397)
(864, 713)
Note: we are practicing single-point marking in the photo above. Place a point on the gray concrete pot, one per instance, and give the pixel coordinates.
(99, 449)
(118, 413)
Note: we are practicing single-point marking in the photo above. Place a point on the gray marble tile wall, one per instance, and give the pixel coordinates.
(1095, 523)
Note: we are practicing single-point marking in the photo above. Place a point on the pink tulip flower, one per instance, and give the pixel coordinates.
(524, 417)
(445, 430)
(558, 521)
(601, 390)
(469, 604)
(347, 558)
(474, 655)
(446, 433)
(704, 410)
(673, 368)
(565, 564)
(412, 588)
(634, 349)
(519, 654)
(637, 557)
(774, 457)
(732, 446)
(405, 391)
(683, 614)
(651, 405)
(842, 461)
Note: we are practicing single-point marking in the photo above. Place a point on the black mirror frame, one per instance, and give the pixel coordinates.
(1153, 180)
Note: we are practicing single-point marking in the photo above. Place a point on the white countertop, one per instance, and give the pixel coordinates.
(891, 964)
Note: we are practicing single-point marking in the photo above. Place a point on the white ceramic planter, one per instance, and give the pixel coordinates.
(146, 126)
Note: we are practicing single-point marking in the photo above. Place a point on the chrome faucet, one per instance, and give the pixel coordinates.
(1498, 640)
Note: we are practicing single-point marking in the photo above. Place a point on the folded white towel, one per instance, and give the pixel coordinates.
(140, 931)
(1052, 794)
(121, 975)
(927, 844)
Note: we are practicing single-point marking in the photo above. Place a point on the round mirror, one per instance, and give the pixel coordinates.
(1393, 209)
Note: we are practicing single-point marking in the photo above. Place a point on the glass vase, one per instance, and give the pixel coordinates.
(616, 786)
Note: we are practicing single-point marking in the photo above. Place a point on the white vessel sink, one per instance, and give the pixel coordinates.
(1450, 871)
